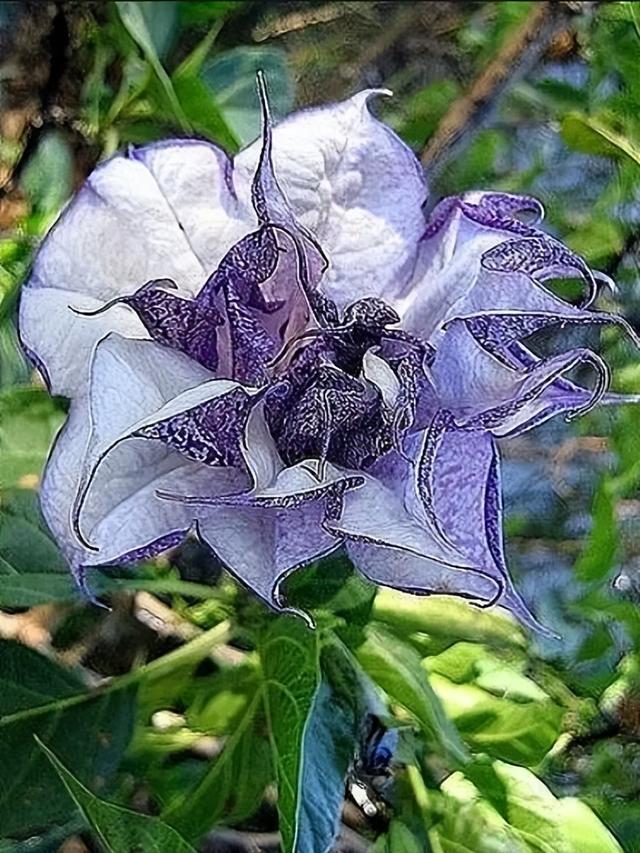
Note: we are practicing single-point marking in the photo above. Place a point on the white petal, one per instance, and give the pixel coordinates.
(64, 341)
(118, 233)
(356, 186)
(167, 213)
(447, 268)
(195, 178)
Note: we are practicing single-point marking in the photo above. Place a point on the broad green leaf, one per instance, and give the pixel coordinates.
(330, 744)
(541, 820)
(495, 707)
(231, 77)
(533, 821)
(133, 18)
(33, 588)
(594, 136)
(470, 824)
(290, 660)
(332, 584)
(514, 731)
(29, 420)
(445, 617)
(397, 668)
(119, 829)
(161, 18)
(26, 546)
(585, 832)
(90, 729)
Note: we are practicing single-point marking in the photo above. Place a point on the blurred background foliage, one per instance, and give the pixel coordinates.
(188, 717)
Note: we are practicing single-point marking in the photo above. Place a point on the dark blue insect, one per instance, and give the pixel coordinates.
(370, 780)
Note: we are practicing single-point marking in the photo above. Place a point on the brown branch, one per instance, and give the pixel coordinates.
(55, 44)
(518, 55)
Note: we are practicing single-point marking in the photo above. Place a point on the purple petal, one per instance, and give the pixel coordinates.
(491, 395)
(394, 548)
(262, 546)
(465, 488)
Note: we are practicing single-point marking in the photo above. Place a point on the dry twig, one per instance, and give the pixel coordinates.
(516, 57)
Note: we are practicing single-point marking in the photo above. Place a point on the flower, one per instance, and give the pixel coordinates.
(283, 355)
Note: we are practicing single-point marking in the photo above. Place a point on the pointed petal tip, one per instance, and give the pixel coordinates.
(513, 602)
(79, 574)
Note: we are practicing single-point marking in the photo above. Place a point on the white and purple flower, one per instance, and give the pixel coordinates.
(281, 354)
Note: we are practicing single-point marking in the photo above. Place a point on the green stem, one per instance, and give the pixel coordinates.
(193, 651)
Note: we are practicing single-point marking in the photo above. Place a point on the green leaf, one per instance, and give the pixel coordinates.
(421, 113)
(290, 660)
(534, 821)
(193, 13)
(161, 19)
(495, 707)
(597, 560)
(48, 176)
(583, 829)
(14, 369)
(515, 731)
(29, 420)
(446, 617)
(90, 730)
(332, 585)
(133, 18)
(397, 668)
(120, 830)
(233, 787)
(203, 110)
(21, 524)
(329, 746)
(594, 136)
(231, 77)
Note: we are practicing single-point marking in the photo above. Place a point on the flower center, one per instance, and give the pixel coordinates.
(321, 405)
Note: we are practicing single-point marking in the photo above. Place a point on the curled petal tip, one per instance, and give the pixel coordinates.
(95, 312)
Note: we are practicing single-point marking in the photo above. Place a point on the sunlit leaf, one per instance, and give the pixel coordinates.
(120, 830)
(594, 136)
(397, 668)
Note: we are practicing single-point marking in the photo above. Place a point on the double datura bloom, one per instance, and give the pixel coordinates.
(281, 354)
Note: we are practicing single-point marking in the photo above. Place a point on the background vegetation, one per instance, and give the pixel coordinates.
(188, 717)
